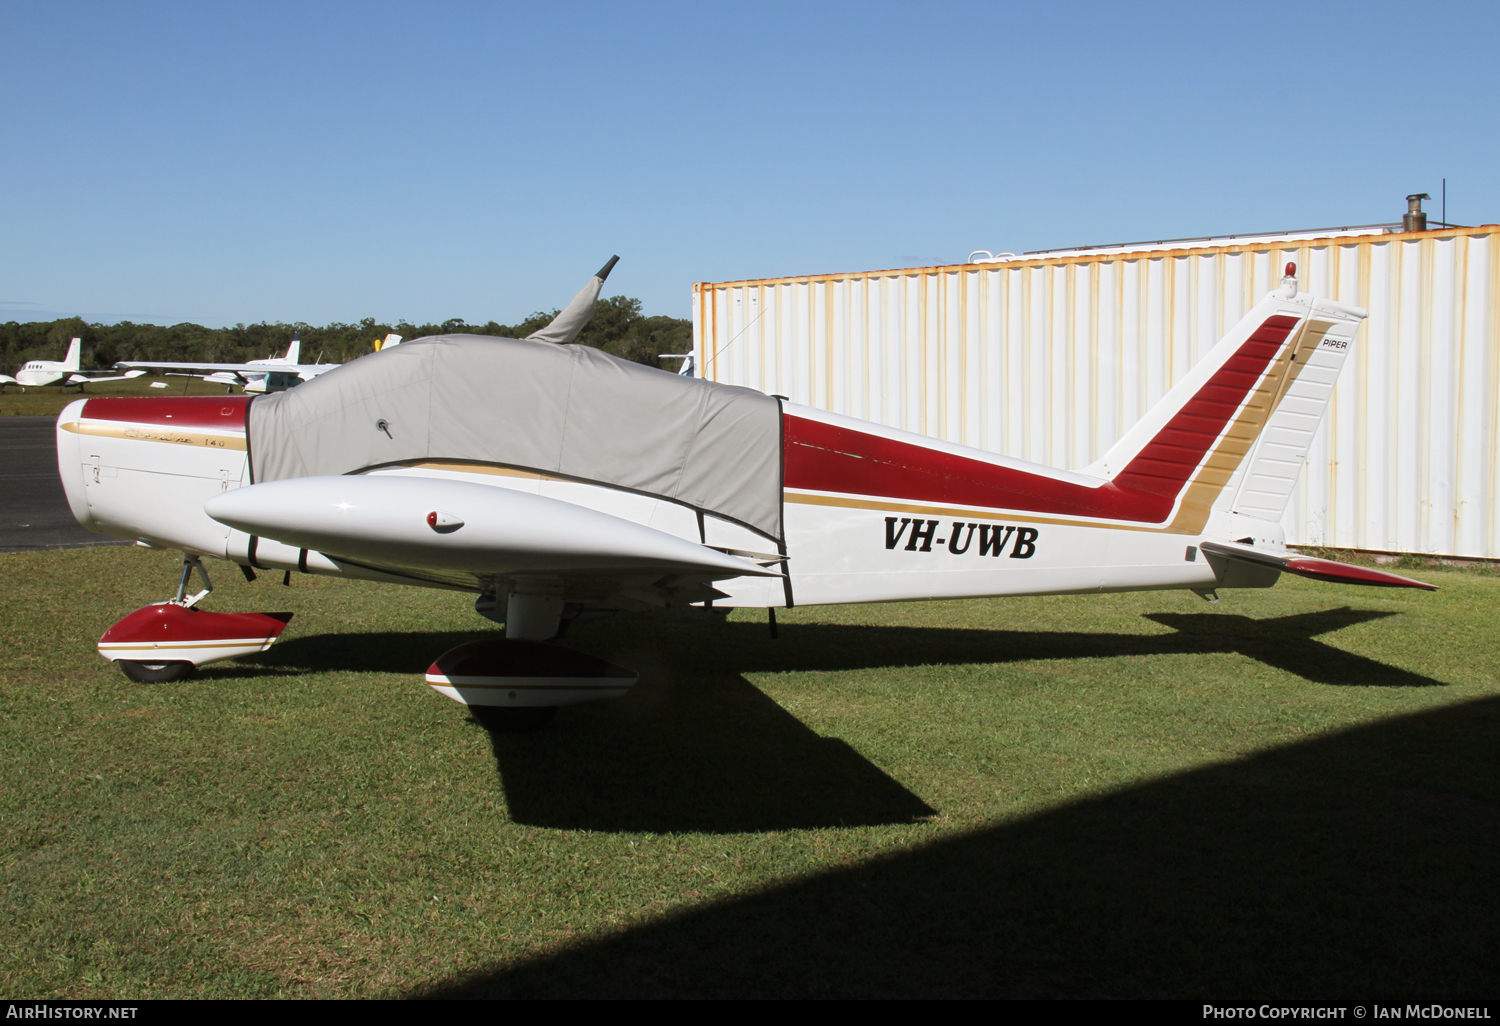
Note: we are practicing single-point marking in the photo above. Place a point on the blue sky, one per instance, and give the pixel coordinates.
(327, 162)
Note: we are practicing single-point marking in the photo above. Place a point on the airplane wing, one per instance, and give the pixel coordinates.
(467, 534)
(210, 368)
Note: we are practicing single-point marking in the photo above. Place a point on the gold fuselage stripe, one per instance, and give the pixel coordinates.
(156, 433)
(483, 468)
(857, 502)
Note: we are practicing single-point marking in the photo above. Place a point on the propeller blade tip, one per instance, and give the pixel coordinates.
(604, 271)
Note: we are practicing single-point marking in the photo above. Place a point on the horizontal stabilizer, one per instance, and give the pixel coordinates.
(79, 379)
(1311, 566)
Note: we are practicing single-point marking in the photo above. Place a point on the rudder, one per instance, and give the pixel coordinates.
(1232, 435)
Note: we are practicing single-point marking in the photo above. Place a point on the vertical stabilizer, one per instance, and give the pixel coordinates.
(1298, 399)
(1233, 433)
(75, 353)
(294, 351)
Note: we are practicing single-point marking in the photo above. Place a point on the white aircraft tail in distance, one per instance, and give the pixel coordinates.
(549, 479)
(685, 368)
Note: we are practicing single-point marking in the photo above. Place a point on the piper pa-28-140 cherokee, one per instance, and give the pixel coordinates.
(556, 481)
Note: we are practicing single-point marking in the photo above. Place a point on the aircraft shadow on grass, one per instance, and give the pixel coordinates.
(1355, 866)
(697, 747)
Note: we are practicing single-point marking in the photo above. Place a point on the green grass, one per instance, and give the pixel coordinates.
(1291, 793)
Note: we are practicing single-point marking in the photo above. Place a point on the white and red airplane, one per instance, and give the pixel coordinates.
(554, 481)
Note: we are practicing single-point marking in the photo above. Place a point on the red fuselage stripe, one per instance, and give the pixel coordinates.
(222, 413)
(826, 458)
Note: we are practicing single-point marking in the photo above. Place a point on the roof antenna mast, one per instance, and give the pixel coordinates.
(565, 327)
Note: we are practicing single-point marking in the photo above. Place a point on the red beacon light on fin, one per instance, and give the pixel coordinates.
(443, 523)
(1288, 288)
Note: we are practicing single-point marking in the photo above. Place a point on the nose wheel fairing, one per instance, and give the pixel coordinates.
(164, 640)
(172, 632)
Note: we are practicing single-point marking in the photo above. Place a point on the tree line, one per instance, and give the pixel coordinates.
(617, 327)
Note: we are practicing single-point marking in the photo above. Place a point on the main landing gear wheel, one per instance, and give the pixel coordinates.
(513, 718)
(154, 673)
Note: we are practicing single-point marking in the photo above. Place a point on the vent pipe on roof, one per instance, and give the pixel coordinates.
(1415, 220)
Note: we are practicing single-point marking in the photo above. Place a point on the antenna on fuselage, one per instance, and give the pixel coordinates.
(565, 327)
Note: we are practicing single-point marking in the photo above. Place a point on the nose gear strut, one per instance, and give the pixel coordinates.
(165, 641)
(190, 563)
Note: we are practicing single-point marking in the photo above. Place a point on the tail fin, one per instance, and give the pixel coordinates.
(294, 351)
(70, 362)
(1232, 435)
(387, 342)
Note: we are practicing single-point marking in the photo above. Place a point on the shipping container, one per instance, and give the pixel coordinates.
(1051, 357)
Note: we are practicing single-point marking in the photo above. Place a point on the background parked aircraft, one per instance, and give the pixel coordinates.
(272, 374)
(37, 373)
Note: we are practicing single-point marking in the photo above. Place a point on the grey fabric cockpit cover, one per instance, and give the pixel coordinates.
(568, 410)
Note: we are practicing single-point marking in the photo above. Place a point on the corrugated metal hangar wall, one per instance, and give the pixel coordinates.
(1051, 359)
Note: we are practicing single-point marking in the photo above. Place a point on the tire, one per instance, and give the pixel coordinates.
(513, 719)
(154, 673)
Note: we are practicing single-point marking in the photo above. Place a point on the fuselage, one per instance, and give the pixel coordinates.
(281, 376)
(39, 373)
(870, 513)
